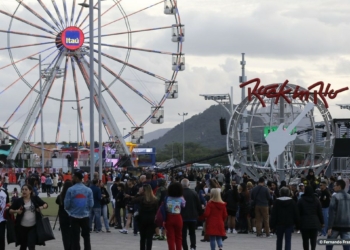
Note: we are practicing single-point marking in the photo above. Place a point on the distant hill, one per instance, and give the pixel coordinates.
(155, 134)
(203, 128)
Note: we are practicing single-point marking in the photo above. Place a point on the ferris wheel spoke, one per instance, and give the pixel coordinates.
(23, 100)
(73, 12)
(115, 4)
(133, 66)
(65, 12)
(58, 12)
(62, 98)
(117, 102)
(38, 15)
(75, 80)
(125, 83)
(133, 48)
(25, 58)
(136, 31)
(49, 14)
(86, 16)
(136, 12)
(26, 34)
(25, 45)
(9, 86)
(26, 22)
(79, 15)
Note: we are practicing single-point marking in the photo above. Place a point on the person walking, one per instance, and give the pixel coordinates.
(27, 210)
(55, 183)
(105, 200)
(173, 224)
(78, 203)
(284, 216)
(325, 199)
(189, 214)
(4, 197)
(215, 214)
(95, 213)
(339, 218)
(231, 198)
(148, 206)
(261, 197)
(48, 185)
(311, 218)
(63, 217)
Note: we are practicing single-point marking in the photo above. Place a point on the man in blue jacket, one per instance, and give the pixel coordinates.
(78, 203)
(95, 214)
(338, 215)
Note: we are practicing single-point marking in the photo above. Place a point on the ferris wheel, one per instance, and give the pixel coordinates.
(142, 42)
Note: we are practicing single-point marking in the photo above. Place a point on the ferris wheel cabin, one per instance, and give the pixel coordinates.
(178, 33)
(179, 62)
(138, 135)
(157, 115)
(169, 7)
(172, 89)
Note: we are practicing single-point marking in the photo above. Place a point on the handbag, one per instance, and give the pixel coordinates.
(161, 214)
(44, 230)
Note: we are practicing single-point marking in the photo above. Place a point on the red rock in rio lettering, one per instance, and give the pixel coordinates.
(270, 91)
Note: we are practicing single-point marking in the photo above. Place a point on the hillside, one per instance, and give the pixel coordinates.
(203, 129)
(155, 134)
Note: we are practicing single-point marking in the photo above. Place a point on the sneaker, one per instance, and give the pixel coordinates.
(108, 231)
(298, 232)
(156, 237)
(123, 231)
(234, 231)
(269, 236)
(229, 231)
(199, 228)
(259, 235)
(162, 237)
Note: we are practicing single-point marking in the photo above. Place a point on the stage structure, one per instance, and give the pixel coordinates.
(288, 129)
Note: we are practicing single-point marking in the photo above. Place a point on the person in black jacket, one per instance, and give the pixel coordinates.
(28, 213)
(64, 217)
(231, 198)
(325, 199)
(147, 209)
(311, 217)
(189, 214)
(284, 216)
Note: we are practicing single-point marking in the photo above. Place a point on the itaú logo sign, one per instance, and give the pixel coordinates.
(72, 38)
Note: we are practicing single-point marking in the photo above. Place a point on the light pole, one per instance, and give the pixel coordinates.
(41, 113)
(77, 109)
(91, 31)
(183, 135)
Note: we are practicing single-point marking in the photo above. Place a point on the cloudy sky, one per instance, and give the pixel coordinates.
(302, 41)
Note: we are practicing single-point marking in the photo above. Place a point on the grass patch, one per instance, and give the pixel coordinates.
(52, 210)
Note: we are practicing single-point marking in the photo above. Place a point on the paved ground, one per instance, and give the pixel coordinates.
(116, 240)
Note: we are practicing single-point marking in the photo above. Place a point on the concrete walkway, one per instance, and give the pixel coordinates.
(116, 240)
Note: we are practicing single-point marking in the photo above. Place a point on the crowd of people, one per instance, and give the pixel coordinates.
(220, 203)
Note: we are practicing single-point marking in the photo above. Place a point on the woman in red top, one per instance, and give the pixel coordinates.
(215, 214)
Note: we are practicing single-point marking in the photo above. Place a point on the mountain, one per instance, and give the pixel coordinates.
(203, 128)
(156, 134)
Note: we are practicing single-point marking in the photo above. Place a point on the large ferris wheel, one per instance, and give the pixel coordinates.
(141, 58)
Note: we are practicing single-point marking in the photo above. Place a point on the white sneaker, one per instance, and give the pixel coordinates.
(199, 228)
(228, 231)
(234, 231)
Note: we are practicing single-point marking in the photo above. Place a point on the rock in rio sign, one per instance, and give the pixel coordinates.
(72, 38)
(272, 91)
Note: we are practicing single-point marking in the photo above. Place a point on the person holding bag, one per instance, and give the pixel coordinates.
(28, 209)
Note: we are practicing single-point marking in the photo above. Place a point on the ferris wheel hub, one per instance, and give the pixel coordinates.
(72, 38)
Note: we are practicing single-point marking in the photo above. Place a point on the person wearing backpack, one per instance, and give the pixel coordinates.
(48, 184)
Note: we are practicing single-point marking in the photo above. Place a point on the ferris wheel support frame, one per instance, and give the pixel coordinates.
(34, 111)
(107, 117)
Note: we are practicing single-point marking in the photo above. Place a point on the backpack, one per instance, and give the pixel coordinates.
(48, 181)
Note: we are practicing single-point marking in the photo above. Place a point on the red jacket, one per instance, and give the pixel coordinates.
(215, 214)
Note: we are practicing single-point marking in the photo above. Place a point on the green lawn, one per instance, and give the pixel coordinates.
(53, 207)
